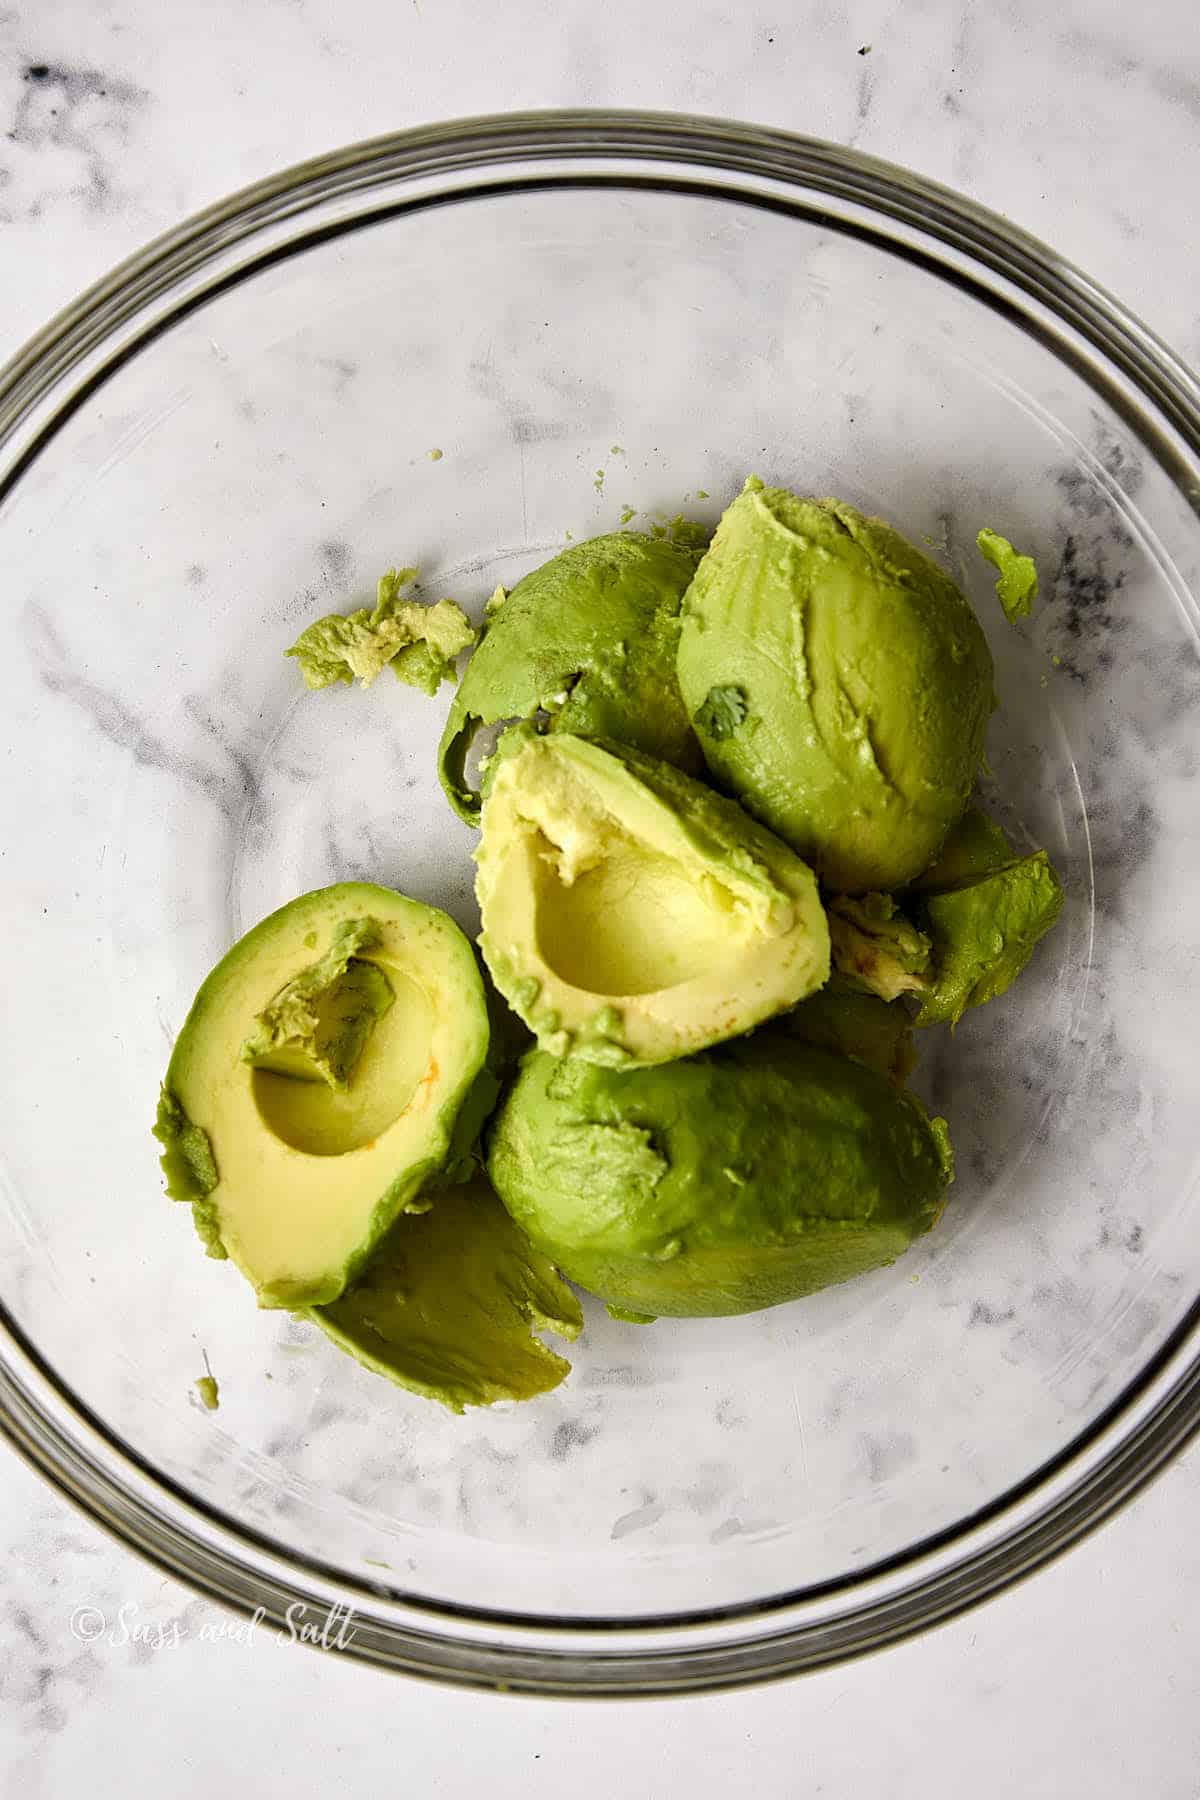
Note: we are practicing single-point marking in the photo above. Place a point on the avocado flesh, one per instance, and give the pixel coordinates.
(630, 915)
(735, 1180)
(449, 1302)
(853, 1023)
(983, 933)
(589, 639)
(875, 948)
(863, 678)
(297, 1179)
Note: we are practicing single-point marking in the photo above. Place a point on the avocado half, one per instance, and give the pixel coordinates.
(630, 915)
(317, 1083)
(839, 683)
(739, 1179)
(589, 640)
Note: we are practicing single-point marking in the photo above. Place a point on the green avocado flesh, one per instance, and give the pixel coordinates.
(1017, 586)
(588, 639)
(728, 1182)
(983, 933)
(863, 684)
(630, 915)
(316, 1086)
(449, 1303)
(976, 846)
(844, 1019)
(417, 642)
(317, 1025)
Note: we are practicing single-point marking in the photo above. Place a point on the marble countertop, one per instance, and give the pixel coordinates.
(1081, 123)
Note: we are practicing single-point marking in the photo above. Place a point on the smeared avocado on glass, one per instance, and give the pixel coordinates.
(630, 915)
(417, 642)
(723, 1183)
(839, 683)
(317, 1082)
(449, 1303)
(588, 640)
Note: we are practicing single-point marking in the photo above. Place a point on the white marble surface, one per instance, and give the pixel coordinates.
(120, 117)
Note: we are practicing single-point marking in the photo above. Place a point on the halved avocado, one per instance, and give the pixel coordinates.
(588, 639)
(317, 1082)
(735, 1180)
(631, 915)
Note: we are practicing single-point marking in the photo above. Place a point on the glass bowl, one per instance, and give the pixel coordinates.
(585, 314)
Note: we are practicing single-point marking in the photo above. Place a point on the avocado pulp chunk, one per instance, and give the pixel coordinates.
(449, 1304)
(316, 1026)
(332, 1121)
(839, 683)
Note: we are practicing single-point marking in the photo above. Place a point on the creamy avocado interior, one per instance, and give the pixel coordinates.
(316, 1084)
(629, 914)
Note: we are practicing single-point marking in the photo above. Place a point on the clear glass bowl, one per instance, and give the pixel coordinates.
(585, 313)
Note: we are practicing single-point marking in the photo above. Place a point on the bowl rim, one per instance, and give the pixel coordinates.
(1143, 1427)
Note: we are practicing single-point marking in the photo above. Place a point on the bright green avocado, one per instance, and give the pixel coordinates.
(631, 915)
(839, 683)
(317, 1084)
(589, 639)
(976, 846)
(725, 1183)
(983, 932)
(449, 1302)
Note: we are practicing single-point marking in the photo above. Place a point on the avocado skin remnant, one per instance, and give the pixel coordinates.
(733, 1180)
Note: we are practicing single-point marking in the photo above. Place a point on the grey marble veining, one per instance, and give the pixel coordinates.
(114, 120)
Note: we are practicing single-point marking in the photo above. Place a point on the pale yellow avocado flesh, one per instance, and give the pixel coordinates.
(309, 1178)
(630, 915)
